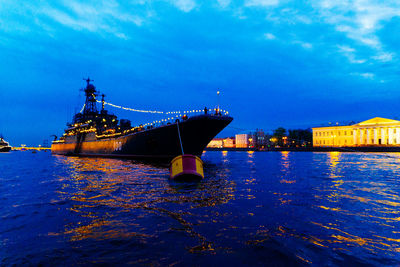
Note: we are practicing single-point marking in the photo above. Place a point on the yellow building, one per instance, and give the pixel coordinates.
(216, 143)
(373, 132)
(242, 140)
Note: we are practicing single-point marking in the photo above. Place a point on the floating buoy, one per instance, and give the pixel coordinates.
(186, 167)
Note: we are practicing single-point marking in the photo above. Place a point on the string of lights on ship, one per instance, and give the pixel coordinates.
(176, 115)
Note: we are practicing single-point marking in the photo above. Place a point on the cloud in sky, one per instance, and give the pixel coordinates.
(269, 36)
(224, 3)
(184, 5)
(261, 3)
(359, 20)
(276, 62)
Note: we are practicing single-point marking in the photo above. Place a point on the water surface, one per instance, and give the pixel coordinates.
(262, 208)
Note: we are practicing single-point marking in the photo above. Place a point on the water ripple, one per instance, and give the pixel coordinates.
(280, 208)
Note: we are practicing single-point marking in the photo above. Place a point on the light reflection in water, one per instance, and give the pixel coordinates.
(341, 209)
(334, 157)
(364, 194)
(287, 175)
(98, 185)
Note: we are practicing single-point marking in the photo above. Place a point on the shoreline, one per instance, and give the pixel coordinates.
(312, 149)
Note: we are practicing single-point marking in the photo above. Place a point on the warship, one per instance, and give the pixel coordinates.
(4, 146)
(99, 133)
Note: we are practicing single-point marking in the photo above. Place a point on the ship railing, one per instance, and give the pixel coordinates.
(167, 121)
(186, 114)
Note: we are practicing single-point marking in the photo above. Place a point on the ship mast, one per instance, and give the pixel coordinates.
(90, 103)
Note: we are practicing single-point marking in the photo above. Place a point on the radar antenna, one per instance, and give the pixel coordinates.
(88, 80)
(91, 93)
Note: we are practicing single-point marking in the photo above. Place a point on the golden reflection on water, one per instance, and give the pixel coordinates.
(359, 189)
(287, 175)
(104, 192)
(349, 197)
(334, 157)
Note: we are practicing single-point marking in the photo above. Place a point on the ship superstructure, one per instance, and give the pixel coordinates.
(96, 132)
(4, 146)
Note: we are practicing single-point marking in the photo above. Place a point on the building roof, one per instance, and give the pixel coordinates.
(377, 120)
(371, 122)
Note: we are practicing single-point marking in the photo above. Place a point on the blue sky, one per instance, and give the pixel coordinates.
(277, 63)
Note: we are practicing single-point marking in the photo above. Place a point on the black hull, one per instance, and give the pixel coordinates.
(161, 143)
(5, 149)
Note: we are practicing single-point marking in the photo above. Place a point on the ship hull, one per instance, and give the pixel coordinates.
(161, 143)
(5, 149)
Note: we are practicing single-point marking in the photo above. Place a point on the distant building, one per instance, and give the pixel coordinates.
(258, 139)
(229, 142)
(242, 140)
(374, 132)
(216, 143)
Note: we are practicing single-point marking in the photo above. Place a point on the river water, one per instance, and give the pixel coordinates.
(262, 208)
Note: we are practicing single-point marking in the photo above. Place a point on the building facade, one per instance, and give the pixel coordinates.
(242, 140)
(216, 143)
(229, 142)
(374, 132)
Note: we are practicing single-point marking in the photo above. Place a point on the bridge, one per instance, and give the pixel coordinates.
(39, 148)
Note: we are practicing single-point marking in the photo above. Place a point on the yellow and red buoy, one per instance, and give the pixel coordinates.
(186, 166)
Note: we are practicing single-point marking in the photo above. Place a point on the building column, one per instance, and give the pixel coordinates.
(361, 136)
(354, 137)
(383, 137)
(375, 136)
(368, 136)
(397, 136)
(390, 136)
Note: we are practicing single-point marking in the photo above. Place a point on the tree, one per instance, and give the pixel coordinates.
(300, 137)
(279, 135)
